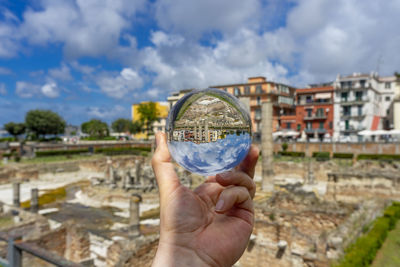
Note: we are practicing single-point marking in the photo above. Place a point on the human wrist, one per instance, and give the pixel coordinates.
(175, 255)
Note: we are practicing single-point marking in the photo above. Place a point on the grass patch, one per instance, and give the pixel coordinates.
(50, 196)
(58, 158)
(362, 252)
(389, 254)
(6, 221)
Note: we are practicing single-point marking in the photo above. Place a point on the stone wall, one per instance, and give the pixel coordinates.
(298, 230)
(356, 148)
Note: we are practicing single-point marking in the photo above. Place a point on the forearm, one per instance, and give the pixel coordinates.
(172, 255)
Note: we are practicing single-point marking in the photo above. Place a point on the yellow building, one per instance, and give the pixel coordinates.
(157, 126)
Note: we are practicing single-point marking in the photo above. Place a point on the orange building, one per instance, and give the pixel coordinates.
(314, 111)
(258, 90)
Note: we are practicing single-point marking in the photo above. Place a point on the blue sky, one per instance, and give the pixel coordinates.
(92, 59)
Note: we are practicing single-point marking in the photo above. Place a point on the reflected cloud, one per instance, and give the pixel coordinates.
(211, 158)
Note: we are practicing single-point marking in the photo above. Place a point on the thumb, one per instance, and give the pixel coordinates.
(167, 179)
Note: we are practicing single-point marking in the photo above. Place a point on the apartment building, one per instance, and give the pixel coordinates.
(390, 90)
(314, 112)
(258, 90)
(357, 106)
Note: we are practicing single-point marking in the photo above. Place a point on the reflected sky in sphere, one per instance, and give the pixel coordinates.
(211, 158)
(208, 131)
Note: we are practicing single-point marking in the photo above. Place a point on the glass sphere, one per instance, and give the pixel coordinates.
(208, 131)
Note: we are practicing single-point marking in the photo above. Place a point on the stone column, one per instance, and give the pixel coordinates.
(267, 147)
(134, 215)
(16, 193)
(138, 172)
(34, 200)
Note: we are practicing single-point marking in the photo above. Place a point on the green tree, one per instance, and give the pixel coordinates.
(135, 127)
(148, 114)
(121, 125)
(41, 122)
(95, 128)
(15, 129)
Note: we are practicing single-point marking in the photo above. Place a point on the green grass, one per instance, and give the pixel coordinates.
(389, 254)
(48, 197)
(6, 221)
(58, 158)
(362, 252)
(291, 159)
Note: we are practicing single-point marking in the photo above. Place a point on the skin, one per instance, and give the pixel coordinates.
(209, 226)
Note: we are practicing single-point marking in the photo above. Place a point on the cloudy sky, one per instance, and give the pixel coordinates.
(93, 58)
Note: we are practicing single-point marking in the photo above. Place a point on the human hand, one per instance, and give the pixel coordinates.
(209, 226)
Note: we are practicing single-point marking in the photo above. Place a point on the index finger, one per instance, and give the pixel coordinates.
(248, 165)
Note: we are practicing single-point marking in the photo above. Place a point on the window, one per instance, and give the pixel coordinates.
(258, 89)
(344, 96)
(347, 125)
(321, 125)
(258, 100)
(387, 85)
(320, 112)
(237, 91)
(362, 83)
(285, 100)
(387, 98)
(346, 111)
(359, 110)
(308, 99)
(288, 125)
(298, 127)
(309, 112)
(258, 114)
(359, 96)
(247, 90)
(330, 125)
(309, 125)
(225, 89)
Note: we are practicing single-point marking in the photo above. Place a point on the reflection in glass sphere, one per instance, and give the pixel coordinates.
(209, 131)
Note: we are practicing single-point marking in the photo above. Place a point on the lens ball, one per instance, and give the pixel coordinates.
(208, 131)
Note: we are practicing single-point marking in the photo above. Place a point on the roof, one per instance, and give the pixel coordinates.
(314, 90)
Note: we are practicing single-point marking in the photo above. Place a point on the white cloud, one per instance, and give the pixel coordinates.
(85, 69)
(194, 18)
(118, 86)
(30, 90)
(5, 71)
(26, 89)
(3, 90)
(107, 113)
(84, 27)
(50, 90)
(63, 73)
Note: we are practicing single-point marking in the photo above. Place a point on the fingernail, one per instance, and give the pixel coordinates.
(219, 205)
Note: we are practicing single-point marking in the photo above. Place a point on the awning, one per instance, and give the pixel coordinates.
(380, 132)
(394, 132)
(365, 132)
(323, 95)
(375, 123)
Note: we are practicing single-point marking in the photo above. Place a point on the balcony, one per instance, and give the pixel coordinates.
(321, 130)
(304, 103)
(354, 101)
(352, 129)
(309, 131)
(348, 116)
(315, 117)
